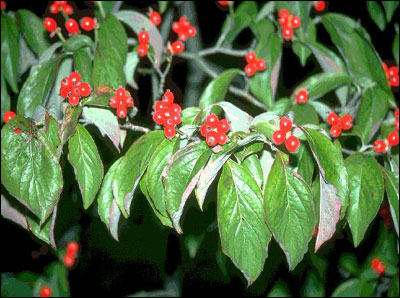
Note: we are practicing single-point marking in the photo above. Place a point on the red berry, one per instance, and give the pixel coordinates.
(393, 71)
(129, 102)
(384, 211)
(159, 106)
(183, 36)
(68, 9)
(261, 66)
(66, 84)
(143, 37)
(212, 138)
(380, 146)
(191, 31)
(177, 47)
(176, 27)
(85, 89)
(393, 138)
(168, 98)
(302, 96)
(278, 137)
(177, 119)
(3, 5)
(50, 24)
(284, 13)
(287, 32)
(113, 102)
(76, 90)
(17, 131)
(169, 132)
(319, 5)
(251, 57)
(158, 118)
(223, 3)
(378, 266)
(332, 118)
(72, 248)
(283, 21)
(176, 109)
(285, 124)
(64, 93)
(250, 69)
(72, 26)
(122, 112)
(336, 131)
(155, 18)
(183, 21)
(396, 124)
(69, 261)
(8, 116)
(292, 144)
(54, 9)
(295, 22)
(142, 50)
(221, 139)
(75, 77)
(169, 122)
(223, 126)
(212, 120)
(396, 113)
(45, 291)
(204, 129)
(346, 122)
(167, 113)
(394, 81)
(73, 100)
(88, 23)
(385, 67)
(120, 93)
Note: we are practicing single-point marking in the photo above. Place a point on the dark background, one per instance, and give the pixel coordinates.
(148, 253)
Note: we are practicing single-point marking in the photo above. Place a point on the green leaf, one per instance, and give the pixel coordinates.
(9, 51)
(376, 13)
(355, 288)
(280, 289)
(29, 170)
(313, 287)
(320, 84)
(266, 123)
(132, 167)
(106, 122)
(349, 263)
(52, 135)
(394, 287)
(217, 88)
(395, 48)
(281, 106)
(55, 277)
(77, 42)
(37, 86)
(69, 123)
(191, 116)
(288, 205)
(244, 234)
(267, 10)
(44, 232)
(305, 166)
(110, 55)
(305, 114)
(84, 157)
(333, 183)
(310, 35)
(14, 287)
(33, 30)
(239, 120)
(366, 66)
(131, 63)
(366, 190)
(269, 47)
(372, 110)
(392, 190)
(5, 98)
(253, 164)
(162, 6)
(390, 8)
(138, 22)
(107, 204)
(83, 64)
(181, 175)
(244, 16)
(155, 186)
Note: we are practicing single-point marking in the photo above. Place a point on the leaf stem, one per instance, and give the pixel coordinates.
(132, 127)
(101, 8)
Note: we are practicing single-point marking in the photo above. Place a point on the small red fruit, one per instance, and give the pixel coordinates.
(143, 37)
(283, 21)
(302, 96)
(204, 129)
(295, 22)
(45, 291)
(177, 47)
(346, 122)
(129, 102)
(142, 50)
(191, 31)
(69, 261)
(394, 81)
(223, 126)
(64, 93)
(251, 57)
(261, 65)
(8, 116)
(292, 144)
(85, 89)
(158, 118)
(168, 97)
(72, 248)
(336, 131)
(88, 23)
(319, 5)
(250, 69)
(155, 18)
(122, 112)
(221, 138)
(393, 71)
(176, 109)
(224, 3)
(212, 138)
(3, 5)
(75, 77)
(332, 118)
(287, 32)
(50, 24)
(212, 120)
(278, 137)
(378, 266)
(284, 13)
(54, 8)
(183, 36)
(76, 90)
(72, 26)
(66, 84)
(380, 146)
(285, 124)
(113, 102)
(396, 113)
(393, 138)
(73, 100)
(169, 132)
(67, 9)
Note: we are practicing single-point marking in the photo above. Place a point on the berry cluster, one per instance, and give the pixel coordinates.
(224, 3)
(71, 25)
(215, 130)
(58, 6)
(121, 101)
(279, 137)
(155, 17)
(3, 5)
(392, 74)
(383, 145)
(72, 252)
(7, 118)
(45, 291)
(384, 212)
(339, 124)
(302, 96)
(253, 64)
(378, 266)
(319, 5)
(143, 38)
(168, 114)
(73, 89)
(288, 23)
(184, 29)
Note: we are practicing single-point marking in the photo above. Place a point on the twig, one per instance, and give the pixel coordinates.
(132, 127)
(101, 8)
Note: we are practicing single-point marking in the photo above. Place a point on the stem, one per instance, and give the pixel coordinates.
(138, 128)
(164, 75)
(101, 8)
(60, 36)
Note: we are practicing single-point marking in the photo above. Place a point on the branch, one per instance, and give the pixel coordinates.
(132, 127)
